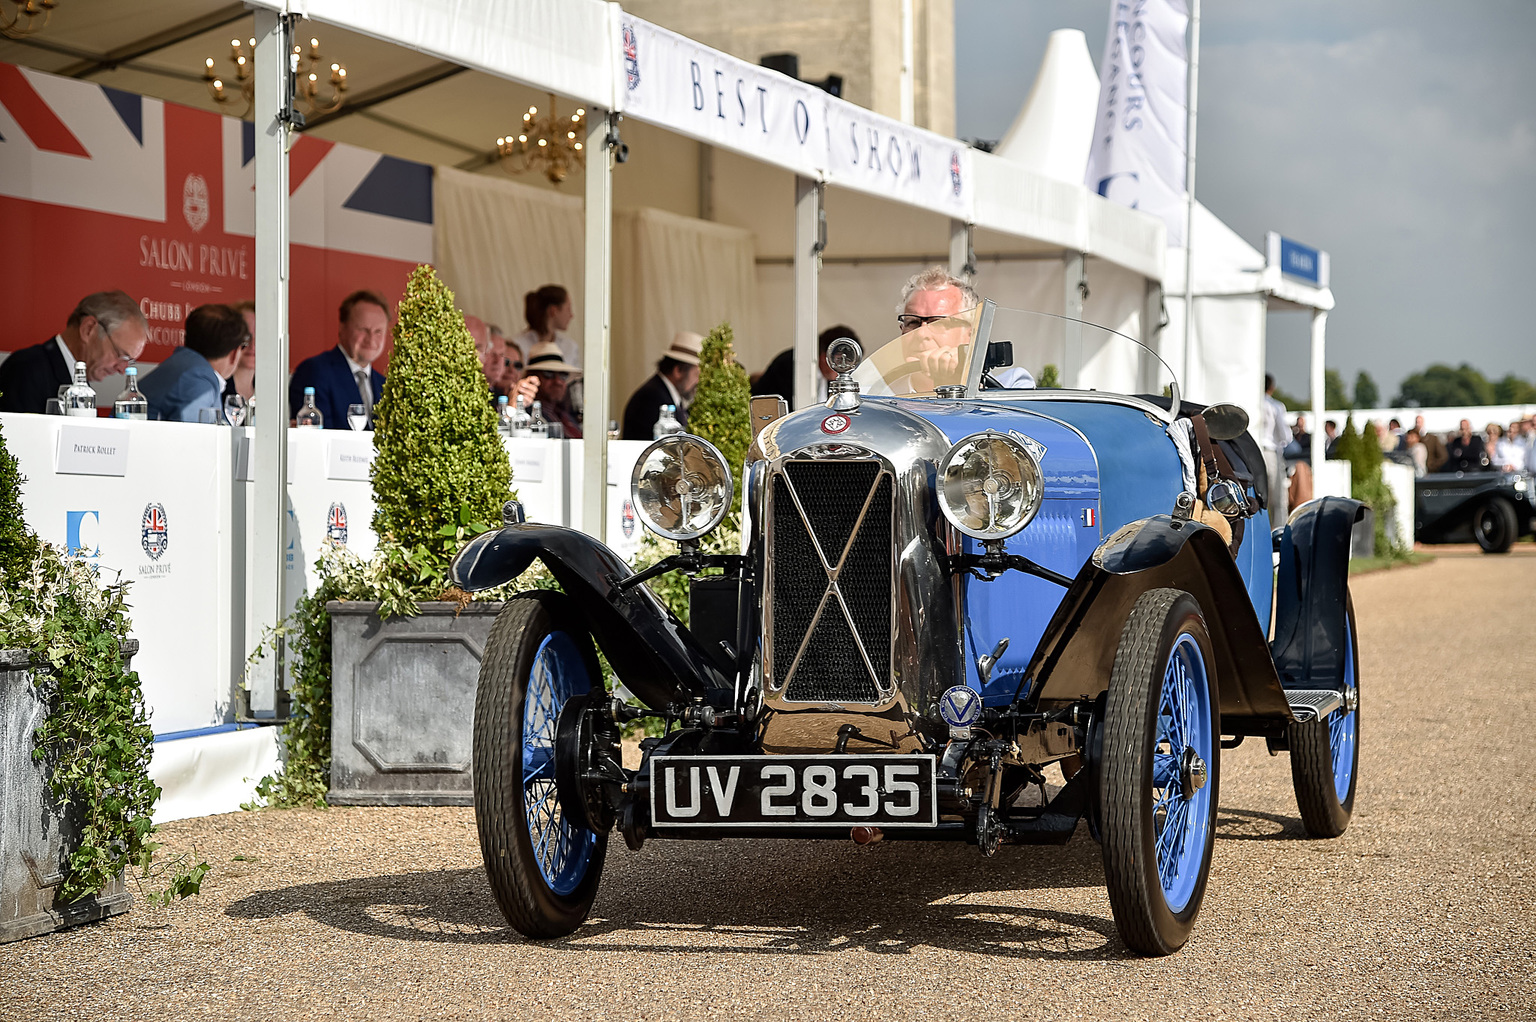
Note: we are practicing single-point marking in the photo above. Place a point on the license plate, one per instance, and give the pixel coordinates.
(793, 791)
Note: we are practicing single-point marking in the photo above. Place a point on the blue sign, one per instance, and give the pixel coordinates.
(1302, 262)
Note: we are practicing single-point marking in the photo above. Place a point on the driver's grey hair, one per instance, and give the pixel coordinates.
(936, 278)
(109, 308)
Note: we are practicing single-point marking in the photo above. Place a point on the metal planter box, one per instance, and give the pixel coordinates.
(403, 703)
(35, 838)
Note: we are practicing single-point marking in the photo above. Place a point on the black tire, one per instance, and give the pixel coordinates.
(512, 865)
(1495, 526)
(1163, 624)
(1327, 799)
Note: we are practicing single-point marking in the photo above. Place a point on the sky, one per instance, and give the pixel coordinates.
(1398, 136)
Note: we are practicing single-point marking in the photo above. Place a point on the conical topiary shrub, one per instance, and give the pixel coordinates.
(18, 546)
(439, 462)
(722, 409)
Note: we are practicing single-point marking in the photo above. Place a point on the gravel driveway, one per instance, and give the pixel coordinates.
(1424, 909)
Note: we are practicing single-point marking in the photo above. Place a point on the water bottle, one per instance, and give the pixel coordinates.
(309, 416)
(131, 404)
(666, 422)
(521, 420)
(538, 428)
(80, 399)
(503, 416)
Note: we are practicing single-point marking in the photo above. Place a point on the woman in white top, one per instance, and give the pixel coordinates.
(1505, 453)
(549, 313)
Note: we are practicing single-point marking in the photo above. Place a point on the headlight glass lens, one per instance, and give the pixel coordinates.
(681, 487)
(990, 486)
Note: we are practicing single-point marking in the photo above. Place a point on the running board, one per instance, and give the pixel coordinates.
(1308, 704)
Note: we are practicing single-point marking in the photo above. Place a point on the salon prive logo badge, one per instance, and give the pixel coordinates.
(194, 202)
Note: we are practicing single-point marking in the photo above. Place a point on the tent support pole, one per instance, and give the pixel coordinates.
(1192, 109)
(269, 470)
(962, 250)
(1074, 283)
(810, 240)
(1151, 326)
(1319, 441)
(596, 302)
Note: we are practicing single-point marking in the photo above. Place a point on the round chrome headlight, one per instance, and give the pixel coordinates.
(990, 486)
(681, 487)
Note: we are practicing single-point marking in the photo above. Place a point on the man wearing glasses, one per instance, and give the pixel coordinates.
(107, 332)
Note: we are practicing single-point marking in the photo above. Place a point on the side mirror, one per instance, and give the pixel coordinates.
(1225, 421)
(765, 409)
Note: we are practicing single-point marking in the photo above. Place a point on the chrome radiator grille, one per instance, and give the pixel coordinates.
(830, 544)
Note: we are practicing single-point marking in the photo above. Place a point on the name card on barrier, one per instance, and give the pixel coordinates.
(92, 451)
(528, 463)
(350, 457)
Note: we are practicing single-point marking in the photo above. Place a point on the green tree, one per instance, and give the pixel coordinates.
(1441, 386)
(1335, 396)
(721, 411)
(18, 545)
(439, 464)
(1512, 390)
(1050, 376)
(1367, 395)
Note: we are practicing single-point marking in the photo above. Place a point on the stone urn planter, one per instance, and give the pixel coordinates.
(36, 839)
(403, 703)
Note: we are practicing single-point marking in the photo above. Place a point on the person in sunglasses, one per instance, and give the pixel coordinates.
(107, 331)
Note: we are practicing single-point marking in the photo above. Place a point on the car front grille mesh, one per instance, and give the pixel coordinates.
(831, 668)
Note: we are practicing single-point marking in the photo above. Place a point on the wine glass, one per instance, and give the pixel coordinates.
(234, 409)
(357, 416)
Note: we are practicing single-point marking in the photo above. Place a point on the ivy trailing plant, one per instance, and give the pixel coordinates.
(95, 741)
(440, 475)
(1363, 452)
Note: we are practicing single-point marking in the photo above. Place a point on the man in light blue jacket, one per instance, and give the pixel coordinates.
(193, 377)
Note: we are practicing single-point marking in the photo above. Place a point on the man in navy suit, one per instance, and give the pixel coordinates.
(106, 331)
(345, 375)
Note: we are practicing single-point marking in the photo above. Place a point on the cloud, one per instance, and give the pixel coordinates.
(1396, 135)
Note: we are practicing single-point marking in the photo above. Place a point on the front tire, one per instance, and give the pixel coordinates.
(1325, 754)
(1160, 772)
(543, 867)
(1495, 526)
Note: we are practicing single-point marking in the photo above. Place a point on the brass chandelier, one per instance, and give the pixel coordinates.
(307, 69)
(20, 18)
(550, 143)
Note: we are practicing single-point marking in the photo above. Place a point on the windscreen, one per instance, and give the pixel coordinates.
(934, 352)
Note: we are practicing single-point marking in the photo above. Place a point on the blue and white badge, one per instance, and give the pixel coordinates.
(960, 707)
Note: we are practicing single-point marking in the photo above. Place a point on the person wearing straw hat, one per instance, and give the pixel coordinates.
(673, 383)
(547, 365)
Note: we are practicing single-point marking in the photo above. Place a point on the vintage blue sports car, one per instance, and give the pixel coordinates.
(962, 610)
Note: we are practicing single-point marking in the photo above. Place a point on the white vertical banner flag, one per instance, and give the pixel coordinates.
(1137, 158)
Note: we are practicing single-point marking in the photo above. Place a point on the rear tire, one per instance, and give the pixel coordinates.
(543, 867)
(1325, 754)
(1160, 772)
(1495, 526)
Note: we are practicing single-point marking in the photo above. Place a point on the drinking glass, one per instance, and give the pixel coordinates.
(54, 406)
(208, 416)
(234, 409)
(357, 416)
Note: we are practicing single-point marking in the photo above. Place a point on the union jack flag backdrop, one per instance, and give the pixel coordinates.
(101, 188)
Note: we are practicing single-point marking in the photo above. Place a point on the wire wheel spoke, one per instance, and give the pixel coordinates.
(560, 847)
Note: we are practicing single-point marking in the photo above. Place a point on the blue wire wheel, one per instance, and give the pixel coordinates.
(561, 847)
(1181, 810)
(1341, 723)
(1325, 754)
(543, 866)
(1159, 772)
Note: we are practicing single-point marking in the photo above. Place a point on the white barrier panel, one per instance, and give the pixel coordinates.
(1332, 480)
(155, 512)
(624, 528)
(1399, 479)
(213, 773)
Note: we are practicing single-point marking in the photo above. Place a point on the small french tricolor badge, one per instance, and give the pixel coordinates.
(1090, 517)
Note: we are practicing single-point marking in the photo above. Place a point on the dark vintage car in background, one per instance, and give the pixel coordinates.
(1493, 509)
(960, 612)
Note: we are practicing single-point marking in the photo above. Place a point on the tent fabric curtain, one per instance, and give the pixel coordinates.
(497, 240)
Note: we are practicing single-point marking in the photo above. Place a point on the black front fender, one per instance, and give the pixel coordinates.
(1312, 591)
(1077, 653)
(652, 652)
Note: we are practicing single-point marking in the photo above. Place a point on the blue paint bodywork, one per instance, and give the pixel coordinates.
(1112, 460)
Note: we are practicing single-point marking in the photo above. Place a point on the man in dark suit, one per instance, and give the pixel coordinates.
(192, 379)
(779, 377)
(106, 331)
(345, 375)
(673, 383)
